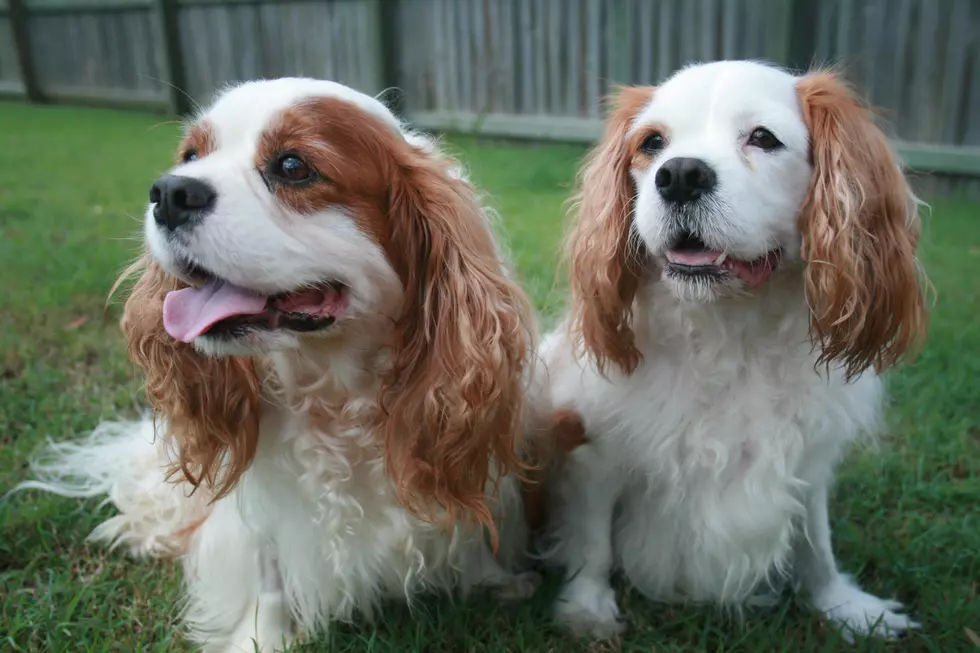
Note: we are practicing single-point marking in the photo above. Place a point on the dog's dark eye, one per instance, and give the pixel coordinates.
(763, 139)
(653, 143)
(292, 168)
(189, 155)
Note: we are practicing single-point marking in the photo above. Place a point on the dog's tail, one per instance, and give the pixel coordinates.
(128, 464)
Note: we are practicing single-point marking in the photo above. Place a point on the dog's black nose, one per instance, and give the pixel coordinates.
(178, 199)
(683, 180)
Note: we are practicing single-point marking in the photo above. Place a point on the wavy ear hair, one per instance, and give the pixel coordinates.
(452, 402)
(210, 405)
(860, 227)
(601, 252)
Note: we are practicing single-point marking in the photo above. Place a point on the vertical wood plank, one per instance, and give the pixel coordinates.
(443, 59)
(481, 70)
(618, 43)
(17, 14)
(466, 59)
(554, 57)
(593, 44)
(667, 26)
(172, 57)
(954, 69)
(709, 30)
(688, 12)
(453, 50)
(872, 31)
(845, 17)
(509, 79)
(922, 87)
(729, 29)
(141, 45)
(493, 55)
(901, 72)
(526, 62)
(971, 134)
(385, 44)
(573, 57)
(825, 33)
(540, 58)
(648, 38)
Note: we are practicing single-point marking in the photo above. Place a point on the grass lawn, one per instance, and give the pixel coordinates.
(73, 184)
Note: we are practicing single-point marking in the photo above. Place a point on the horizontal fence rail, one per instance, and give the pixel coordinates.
(515, 68)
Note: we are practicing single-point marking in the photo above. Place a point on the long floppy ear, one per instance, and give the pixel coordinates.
(210, 406)
(452, 401)
(860, 227)
(602, 255)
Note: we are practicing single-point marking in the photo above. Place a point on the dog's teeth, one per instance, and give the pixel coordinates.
(721, 258)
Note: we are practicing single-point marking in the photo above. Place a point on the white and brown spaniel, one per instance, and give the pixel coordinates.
(742, 268)
(338, 360)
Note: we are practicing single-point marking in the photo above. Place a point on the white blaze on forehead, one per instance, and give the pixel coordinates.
(726, 95)
(243, 112)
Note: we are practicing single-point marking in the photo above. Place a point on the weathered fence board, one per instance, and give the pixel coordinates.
(10, 81)
(528, 68)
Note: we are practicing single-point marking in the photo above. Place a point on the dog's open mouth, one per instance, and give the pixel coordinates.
(689, 256)
(220, 307)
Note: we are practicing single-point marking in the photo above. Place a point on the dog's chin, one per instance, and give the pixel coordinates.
(251, 342)
(701, 287)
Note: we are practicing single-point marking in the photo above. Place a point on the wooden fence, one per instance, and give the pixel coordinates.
(518, 68)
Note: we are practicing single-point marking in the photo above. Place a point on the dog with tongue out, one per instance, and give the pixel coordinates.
(338, 360)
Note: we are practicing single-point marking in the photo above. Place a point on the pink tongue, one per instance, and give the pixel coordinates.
(189, 312)
(704, 257)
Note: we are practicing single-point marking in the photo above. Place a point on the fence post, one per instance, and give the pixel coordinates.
(801, 46)
(170, 56)
(384, 42)
(17, 12)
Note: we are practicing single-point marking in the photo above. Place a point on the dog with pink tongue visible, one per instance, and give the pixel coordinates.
(339, 362)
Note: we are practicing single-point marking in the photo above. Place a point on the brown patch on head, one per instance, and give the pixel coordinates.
(351, 152)
(605, 261)
(860, 228)
(642, 158)
(209, 405)
(199, 140)
(452, 401)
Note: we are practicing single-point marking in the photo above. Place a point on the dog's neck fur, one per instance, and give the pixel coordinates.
(775, 315)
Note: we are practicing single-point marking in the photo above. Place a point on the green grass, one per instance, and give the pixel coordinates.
(72, 187)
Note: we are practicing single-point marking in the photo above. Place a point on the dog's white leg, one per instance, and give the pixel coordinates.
(267, 625)
(236, 602)
(587, 496)
(836, 594)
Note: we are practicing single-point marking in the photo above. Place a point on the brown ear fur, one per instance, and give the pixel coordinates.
(452, 401)
(860, 229)
(603, 259)
(210, 405)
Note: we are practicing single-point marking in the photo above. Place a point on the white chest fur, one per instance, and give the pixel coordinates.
(714, 439)
(318, 495)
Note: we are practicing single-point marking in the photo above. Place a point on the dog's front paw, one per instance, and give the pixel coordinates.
(267, 628)
(588, 609)
(520, 586)
(863, 614)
